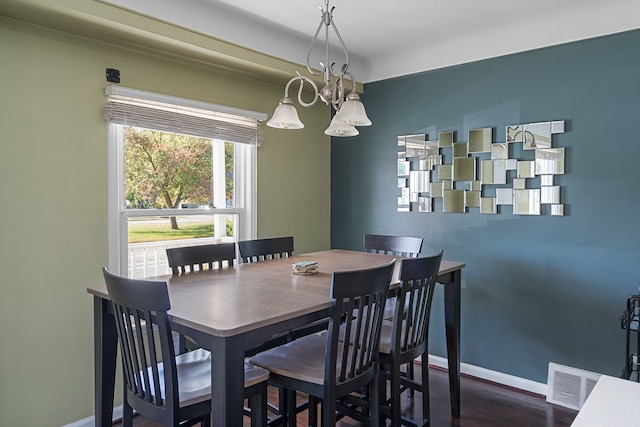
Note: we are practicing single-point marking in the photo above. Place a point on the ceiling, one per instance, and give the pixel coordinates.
(390, 39)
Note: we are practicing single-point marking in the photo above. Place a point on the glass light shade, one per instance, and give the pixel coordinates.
(340, 128)
(352, 111)
(285, 116)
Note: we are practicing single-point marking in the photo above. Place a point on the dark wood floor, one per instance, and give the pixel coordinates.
(483, 404)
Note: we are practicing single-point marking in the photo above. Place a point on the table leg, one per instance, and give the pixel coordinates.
(227, 381)
(105, 342)
(452, 297)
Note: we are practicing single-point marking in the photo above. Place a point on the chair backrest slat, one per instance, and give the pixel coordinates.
(266, 249)
(405, 246)
(189, 258)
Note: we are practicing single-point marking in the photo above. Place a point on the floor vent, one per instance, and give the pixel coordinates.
(569, 387)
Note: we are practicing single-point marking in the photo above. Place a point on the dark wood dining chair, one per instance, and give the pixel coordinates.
(265, 249)
(196, 258)
(159, 385)
(328, 368)
(192, 258)
(405, 246)
(406, 337)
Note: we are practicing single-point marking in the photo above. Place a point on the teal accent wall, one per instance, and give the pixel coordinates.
(536, 289)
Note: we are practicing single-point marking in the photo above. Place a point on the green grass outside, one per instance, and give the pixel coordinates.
(159, 231)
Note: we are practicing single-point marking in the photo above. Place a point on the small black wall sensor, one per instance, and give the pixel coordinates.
(113, 75)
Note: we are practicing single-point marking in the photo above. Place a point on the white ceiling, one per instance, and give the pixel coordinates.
(393, 38)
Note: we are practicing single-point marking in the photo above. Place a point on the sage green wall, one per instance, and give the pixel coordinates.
(53, 192)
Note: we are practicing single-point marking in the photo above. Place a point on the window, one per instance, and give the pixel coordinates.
(181, 173)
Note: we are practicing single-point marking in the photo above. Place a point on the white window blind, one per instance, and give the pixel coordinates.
(132, 107)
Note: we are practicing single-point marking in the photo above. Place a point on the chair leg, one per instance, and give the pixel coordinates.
(313, 411)
(127, 414)
(395, 394)
(426, 407)
(328, 412)
(374, 412)
(258, 406)
(411, 377)
(290, 408)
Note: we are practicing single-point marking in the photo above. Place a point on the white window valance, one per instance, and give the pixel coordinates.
(133, 107)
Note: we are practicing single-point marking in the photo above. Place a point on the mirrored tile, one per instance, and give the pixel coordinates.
(425, 204)
(550, 161)
(403, 168)
(460, 149)
(500, 151)
(464, 169)
(550, 195)
(537, 135)
(431, 148)
(445, 172)
(488, 205)
(546, 180)
(514, 133)
(504, 196)
(494, 171)
(480, 140)
(419, 181)
(472, 199)
(403, 204)
(557, 126)
(519, 183)
(453, 201)
(436, 189)
(526, 202)
(557, 210)
(445, 139)
(415, 145)
(526, 169)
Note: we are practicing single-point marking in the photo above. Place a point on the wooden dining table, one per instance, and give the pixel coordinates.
(230, 311)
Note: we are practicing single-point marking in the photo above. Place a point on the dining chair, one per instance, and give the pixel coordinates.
(405, 246)
(189, 258)
(406, 338)
(195, 258)
(266, 249)
(329, 368)
(159, 385)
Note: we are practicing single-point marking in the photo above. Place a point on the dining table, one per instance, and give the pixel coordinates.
(230, 311)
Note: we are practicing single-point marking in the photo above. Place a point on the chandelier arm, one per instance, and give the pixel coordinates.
(313, 40)
(302, 79)
(337, 94)
(353, 81)
(342, 43)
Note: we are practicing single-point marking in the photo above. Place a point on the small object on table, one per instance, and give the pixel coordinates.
(305, 268)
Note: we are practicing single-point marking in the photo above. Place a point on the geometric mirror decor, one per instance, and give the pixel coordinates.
(481, 174)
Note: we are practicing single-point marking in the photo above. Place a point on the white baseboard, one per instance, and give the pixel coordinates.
(90, 421)
(493, 376)
(440, 362)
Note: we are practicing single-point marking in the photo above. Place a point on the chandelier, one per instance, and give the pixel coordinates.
(350, 111)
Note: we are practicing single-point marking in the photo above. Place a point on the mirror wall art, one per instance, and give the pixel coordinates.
(481, 174)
